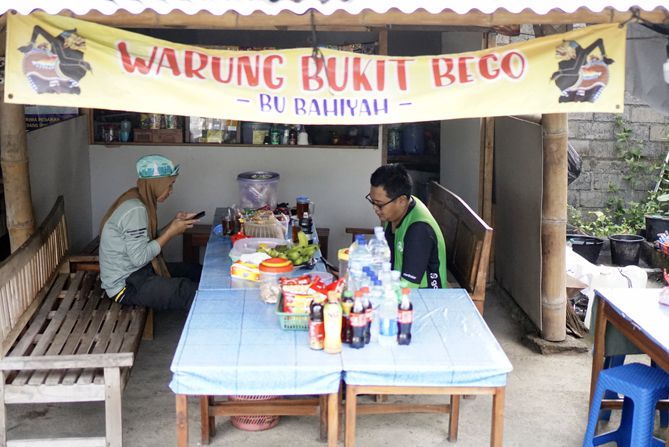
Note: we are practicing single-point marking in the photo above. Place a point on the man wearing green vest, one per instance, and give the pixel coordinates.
(416, 244)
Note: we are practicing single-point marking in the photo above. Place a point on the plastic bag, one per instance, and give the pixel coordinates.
(574, 160)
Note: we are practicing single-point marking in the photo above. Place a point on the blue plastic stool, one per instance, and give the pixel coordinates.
(618, 360)
(642, 386)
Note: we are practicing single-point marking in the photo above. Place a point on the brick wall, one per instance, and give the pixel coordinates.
(593, 137)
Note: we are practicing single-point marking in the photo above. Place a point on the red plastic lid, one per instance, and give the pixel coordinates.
(276, 265)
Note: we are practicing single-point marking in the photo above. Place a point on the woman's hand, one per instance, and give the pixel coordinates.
(183, 215)
(175, 228)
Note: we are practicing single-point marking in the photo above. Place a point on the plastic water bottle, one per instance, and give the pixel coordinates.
(379, 249)
(388, 318)
(395, 284)
(375, 298)
(384, 274)
(358, 257)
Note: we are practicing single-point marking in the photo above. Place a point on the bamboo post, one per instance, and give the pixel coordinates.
(16, 177)
(554, 227)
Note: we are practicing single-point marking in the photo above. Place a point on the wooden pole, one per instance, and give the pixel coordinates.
(14, 163)
(554, 228)
(383, 129)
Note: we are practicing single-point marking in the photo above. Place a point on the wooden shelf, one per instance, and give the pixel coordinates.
(296, 146)
(417, 162)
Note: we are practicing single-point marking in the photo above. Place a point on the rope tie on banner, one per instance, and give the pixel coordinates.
(636, 17)
(316, 53)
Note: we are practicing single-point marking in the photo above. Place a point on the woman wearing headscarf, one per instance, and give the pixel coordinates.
(132, 268)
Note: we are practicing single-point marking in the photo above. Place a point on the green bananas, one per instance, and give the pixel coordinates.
(298, 254)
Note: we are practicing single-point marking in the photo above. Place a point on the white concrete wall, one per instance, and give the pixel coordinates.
(461, 139)
(335, 179)
(58, 160)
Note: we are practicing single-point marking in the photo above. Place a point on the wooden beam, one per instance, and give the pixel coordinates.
(366, 19)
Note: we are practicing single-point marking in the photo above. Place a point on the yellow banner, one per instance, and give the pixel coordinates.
(60, 61)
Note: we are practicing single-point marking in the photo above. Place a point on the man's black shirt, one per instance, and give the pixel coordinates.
(421, 252)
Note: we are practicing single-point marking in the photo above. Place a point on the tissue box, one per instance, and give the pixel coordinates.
(245, 270)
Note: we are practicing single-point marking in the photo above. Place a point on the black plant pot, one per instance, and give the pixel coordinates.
(656, 225)
(586, 246)
(625, 249)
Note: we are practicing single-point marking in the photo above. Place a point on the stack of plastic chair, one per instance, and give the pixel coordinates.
(642, 387)
(617, 360)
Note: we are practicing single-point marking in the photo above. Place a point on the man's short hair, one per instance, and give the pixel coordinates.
(394, 179)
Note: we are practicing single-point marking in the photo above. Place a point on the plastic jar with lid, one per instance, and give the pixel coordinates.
(270, 271)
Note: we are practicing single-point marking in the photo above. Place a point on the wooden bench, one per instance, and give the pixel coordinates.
(468, 241)
(62, 339)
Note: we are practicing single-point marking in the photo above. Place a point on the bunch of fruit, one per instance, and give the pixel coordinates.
(299, 254)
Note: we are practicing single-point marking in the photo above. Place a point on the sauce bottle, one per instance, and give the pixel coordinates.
(316, 325)
(332, 316)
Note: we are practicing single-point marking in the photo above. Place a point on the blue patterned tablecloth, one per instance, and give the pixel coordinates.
(232, 344)
(451, 346)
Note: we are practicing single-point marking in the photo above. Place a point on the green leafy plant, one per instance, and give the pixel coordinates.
(621, 216)
(602, 224)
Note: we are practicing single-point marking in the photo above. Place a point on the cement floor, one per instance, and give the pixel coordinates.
(546, 403)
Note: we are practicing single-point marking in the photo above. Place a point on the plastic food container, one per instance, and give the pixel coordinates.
(258, 189)
(270, 271)
(251, 244)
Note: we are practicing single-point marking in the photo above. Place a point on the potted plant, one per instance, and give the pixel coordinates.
(656, 215)
(620, 228)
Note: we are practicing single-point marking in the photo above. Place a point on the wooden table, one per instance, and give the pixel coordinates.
(452, 352)
(232, 345)
(637, 314)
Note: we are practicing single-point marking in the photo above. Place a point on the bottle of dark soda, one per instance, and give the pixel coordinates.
(404, 318)
(358, 321)
(369, 313)
(316, 325)
(346, 306)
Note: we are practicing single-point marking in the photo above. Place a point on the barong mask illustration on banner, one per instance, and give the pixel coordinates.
(581, 76)
(57, 65)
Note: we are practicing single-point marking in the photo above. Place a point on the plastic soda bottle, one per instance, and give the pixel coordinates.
(316, 325)
(332, 320)
(404, 318)
(388, 318)
(346, 306)
(358, 321)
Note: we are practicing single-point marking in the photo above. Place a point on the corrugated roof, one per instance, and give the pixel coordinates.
(326, 7)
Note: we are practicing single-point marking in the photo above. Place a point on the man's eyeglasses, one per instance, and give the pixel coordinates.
(380, 205)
